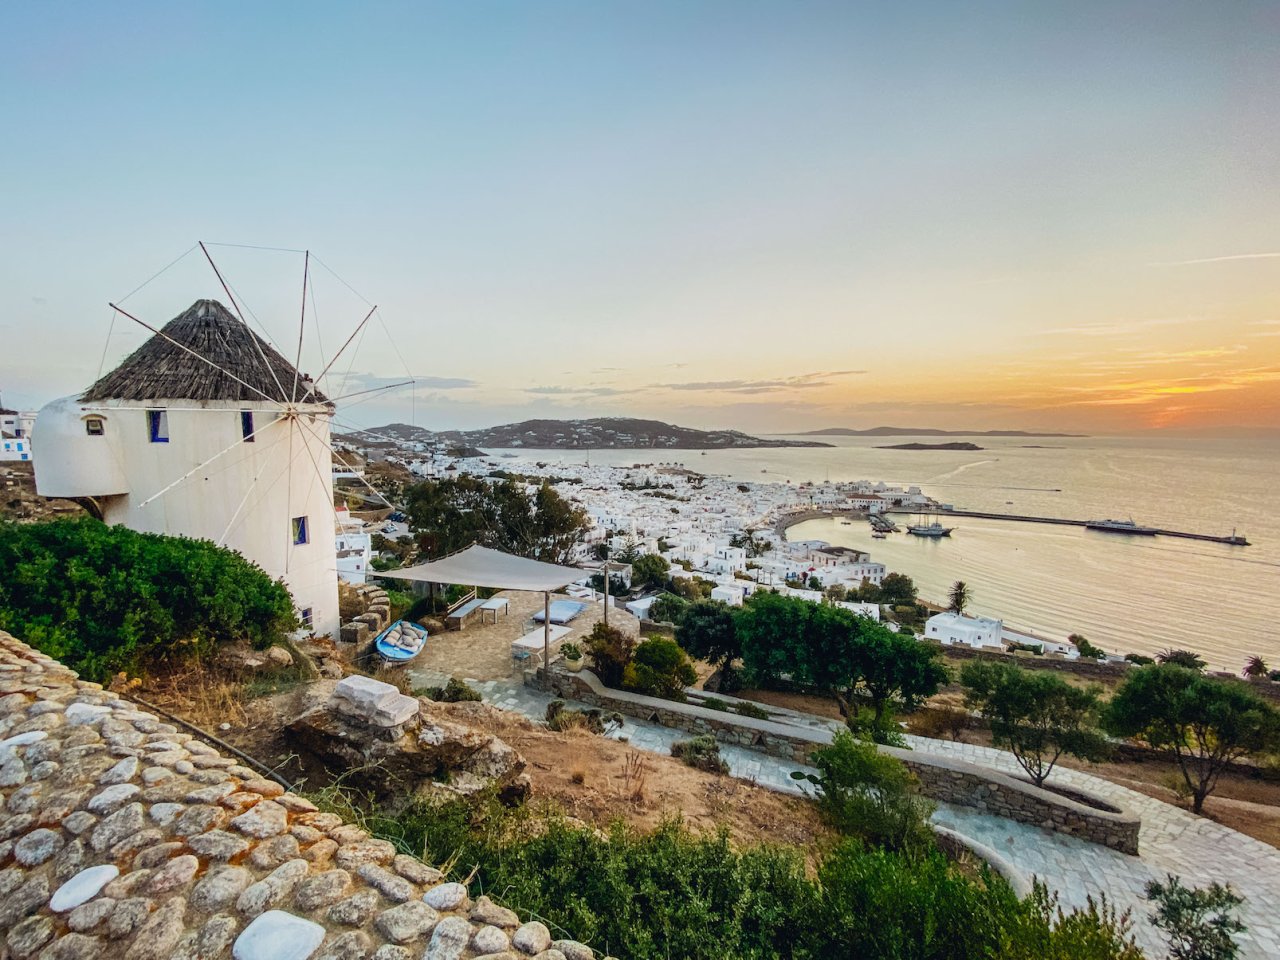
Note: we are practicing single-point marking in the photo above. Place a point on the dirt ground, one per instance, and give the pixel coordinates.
(1249, 804)
(482, 650)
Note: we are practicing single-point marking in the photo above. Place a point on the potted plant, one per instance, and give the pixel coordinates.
(572, 654)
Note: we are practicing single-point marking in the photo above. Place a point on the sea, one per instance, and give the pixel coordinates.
(1125, 593)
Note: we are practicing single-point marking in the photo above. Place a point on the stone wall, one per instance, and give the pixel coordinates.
(123, 836)
(950, 781)
(374, 617)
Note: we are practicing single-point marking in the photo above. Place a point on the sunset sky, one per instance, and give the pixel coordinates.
(767, 216)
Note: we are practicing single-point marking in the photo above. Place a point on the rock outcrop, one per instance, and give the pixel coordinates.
(397, 745)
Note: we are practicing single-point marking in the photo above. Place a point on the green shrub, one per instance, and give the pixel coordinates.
(668, 893)
(701, 753)
(747, 709)
(610, 650)
(455, 691)
(668, 608)
(1200, 923)
(105, 598)
(562, 719)
(659, 668)
(863, 792)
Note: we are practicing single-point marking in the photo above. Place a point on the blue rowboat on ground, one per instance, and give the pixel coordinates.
(400, 642)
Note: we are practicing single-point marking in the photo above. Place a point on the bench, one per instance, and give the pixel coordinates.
(458, 618)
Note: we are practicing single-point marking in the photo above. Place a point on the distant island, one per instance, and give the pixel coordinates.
(932, 446)
(926, 432)
(601, 433)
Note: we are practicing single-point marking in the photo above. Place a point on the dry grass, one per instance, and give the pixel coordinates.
(199, 692)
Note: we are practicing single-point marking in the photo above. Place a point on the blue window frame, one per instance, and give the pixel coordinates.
(246, 426)
(306, 617)
(300, 531)
(158, 425)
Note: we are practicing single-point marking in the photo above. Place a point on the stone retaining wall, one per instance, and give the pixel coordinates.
(950, 781)
(124, 837)
(363, 627)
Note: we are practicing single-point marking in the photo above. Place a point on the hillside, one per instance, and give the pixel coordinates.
(601, 433)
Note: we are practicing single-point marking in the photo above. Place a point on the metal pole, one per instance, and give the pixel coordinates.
(546, 639)
(606, 593)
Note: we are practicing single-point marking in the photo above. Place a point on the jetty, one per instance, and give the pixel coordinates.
(1232, 540)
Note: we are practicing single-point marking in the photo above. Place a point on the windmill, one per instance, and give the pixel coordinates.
(208, 431)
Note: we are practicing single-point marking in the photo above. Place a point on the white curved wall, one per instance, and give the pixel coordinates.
(245, 499)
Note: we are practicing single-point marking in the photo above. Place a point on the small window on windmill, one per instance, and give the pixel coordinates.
(246, 425)
(158, 425)
(306, 617)
(299, 530)
(95, 426)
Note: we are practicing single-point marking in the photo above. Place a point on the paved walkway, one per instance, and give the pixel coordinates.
(1172, 840)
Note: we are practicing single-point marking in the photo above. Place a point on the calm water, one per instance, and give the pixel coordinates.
(1125, 593)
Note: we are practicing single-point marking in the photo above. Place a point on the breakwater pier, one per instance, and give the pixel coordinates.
(1232, 540)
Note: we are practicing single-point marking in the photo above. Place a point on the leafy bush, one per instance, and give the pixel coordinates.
(659, 668)
(668, 893)
(1200, 923)
(570, 650)
(1140, 659)
(668, 608)
(105, 598)
(747, 709)
(455, 691)
(610, 650)
(563, 719)
(701, 753)
(863, 792)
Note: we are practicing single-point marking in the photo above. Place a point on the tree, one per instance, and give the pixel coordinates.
(1034, 714)
(814, 583)
(898, 590)
(835, 593)
(105, 598)
(610, 650)
(1255, 667)
(659, 668)
(959, 598)
(1200, 923)
(649, 571)
(1085, 648)
(864, 792)
(629, 552)
(1181, 658)
(668, 608)
(896, 670)
(707, 631)
(449, 515)
(1203, 723)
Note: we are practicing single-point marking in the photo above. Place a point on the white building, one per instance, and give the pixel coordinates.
(353, 546)
(731, 594)
(15, 434)
(955, 628)
(206, 431)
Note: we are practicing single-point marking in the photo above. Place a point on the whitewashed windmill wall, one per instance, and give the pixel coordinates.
(214, 475)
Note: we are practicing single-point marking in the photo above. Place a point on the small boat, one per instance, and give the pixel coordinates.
(400, 642)
(879, 535)
(1120, 526)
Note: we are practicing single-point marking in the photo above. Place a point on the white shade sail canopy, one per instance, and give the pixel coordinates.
(483, 567)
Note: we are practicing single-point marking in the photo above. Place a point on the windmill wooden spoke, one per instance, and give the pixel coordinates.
(196, 469)
(334, 359)
(363, 432)
(361, 393)
(222, 540)
(376, 492)
(302, 322)
(198, 356)
(336, 520)
(252, 336)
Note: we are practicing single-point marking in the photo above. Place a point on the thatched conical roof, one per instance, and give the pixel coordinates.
(161, 370)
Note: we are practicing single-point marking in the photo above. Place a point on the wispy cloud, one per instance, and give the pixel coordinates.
(804, 381)
(1226, 259)
(583, 391)
(372, 381)
(1115, 328)
(1141, 392)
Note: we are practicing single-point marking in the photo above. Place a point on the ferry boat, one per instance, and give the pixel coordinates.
(1120, 526)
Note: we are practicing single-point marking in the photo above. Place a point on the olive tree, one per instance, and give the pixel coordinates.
(1035, 715)
(1203, 723)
